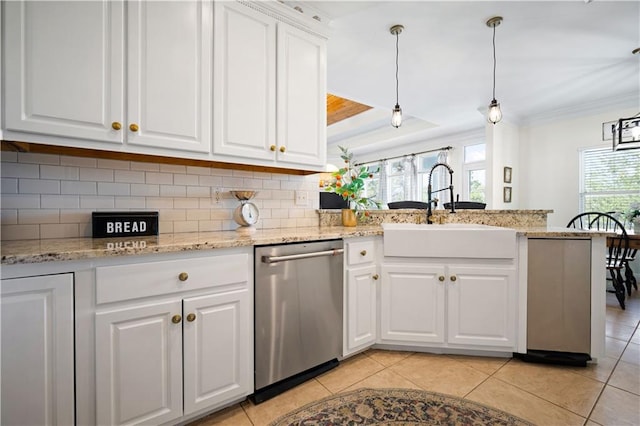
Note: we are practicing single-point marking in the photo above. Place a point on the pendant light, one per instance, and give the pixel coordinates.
(495, 114)
(396, 116)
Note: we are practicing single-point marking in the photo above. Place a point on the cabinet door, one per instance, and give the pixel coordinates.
(169, 74)
(245, 82)
(481, 306)
(64, 68)
(139, 364)
(412, 303)
(37, 351)
(361, 307)
(218, 350)
(302, 102)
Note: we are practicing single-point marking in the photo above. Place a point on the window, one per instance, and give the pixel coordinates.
(610, 180)
(474, 172)
(406, 178)
(425, 162)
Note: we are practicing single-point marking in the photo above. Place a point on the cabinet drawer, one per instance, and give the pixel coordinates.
(360, 252)
(122, 282)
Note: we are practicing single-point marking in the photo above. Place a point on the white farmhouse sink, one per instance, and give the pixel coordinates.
(449, 240)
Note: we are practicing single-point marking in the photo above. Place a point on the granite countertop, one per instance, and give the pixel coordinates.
(39, 251)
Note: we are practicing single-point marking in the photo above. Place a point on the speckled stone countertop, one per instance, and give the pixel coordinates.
(39, 251)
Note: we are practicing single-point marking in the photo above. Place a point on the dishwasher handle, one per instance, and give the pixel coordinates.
(275, 259)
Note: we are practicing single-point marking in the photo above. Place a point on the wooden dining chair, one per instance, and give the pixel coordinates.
(631, 254)
(617, 246)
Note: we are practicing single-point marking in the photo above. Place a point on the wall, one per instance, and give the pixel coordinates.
(503, 145)
(549, 162)
(52, 196)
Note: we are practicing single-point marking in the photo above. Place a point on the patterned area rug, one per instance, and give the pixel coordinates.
(397, 407)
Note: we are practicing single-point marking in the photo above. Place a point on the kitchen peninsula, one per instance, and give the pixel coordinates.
(94, 287)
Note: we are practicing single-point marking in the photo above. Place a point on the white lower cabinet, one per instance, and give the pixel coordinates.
(448, 305)
(37, 350)
(360, 296)
(162, 358)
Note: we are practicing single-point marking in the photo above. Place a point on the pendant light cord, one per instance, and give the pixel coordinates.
(397, 52)
(494, 62)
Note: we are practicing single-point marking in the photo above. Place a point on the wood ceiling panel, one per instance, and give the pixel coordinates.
(339, 109)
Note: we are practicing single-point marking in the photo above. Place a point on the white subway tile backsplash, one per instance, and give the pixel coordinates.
(213, 181)
(252, 183)
(232, 183)
(198, 191)
(65, 230)
(20, 232)
(20, 201)
(241, 173)
(35, 158)
(194, 170)
(128, 176)
(271, 184)
(60, 201)
(173, 168)
(36, 216)
(184, 226)
(271, 223)
(209, 225)
(159, 178)
(75, 216)
(113, 164)
(145, 190)
(159, 203)
(173, 215)
(59, 172)
(165, 227)
(108, 188)
(8, 156)
(78, 161)
(173, 191)
(38, 186)
(279, 213)
(9, 185)
(20, 170)
(185, 179)
(97, 202)
(77, 187)
(130, 203)
(96, 175)
(53, 196)
(145, 167)
(9, 216)
(186, 203)
(198, 214)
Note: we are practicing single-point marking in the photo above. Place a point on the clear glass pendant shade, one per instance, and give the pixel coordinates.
(495, 113)
(396, 116)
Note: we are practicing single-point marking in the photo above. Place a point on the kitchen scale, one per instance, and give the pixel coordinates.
(247, 213)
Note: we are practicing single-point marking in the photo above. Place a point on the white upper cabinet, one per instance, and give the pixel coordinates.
(65, 73)
(169, 53)
(302, 97)
(63, 68)
(245, 84)
(270, 89)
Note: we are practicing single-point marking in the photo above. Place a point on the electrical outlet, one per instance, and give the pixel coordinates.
(302, 198)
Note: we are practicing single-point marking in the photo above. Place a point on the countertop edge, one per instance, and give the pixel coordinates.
(43, 251)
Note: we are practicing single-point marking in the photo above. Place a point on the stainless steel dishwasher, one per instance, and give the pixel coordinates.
(298, 313)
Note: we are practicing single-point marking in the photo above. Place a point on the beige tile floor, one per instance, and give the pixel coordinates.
(604, 394)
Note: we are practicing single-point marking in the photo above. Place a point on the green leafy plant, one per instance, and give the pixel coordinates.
(349, 183)
(633, 215)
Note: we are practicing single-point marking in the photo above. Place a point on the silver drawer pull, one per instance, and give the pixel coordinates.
(274, 259)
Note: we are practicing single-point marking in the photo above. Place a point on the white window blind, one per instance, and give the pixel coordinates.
(610, 180)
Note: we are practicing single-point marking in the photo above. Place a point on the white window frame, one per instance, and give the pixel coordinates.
(470, 167)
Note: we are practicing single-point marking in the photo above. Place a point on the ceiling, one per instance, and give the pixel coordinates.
(554, 59)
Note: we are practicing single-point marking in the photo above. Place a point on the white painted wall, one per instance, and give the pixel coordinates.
(503, 147)
(549, 173)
